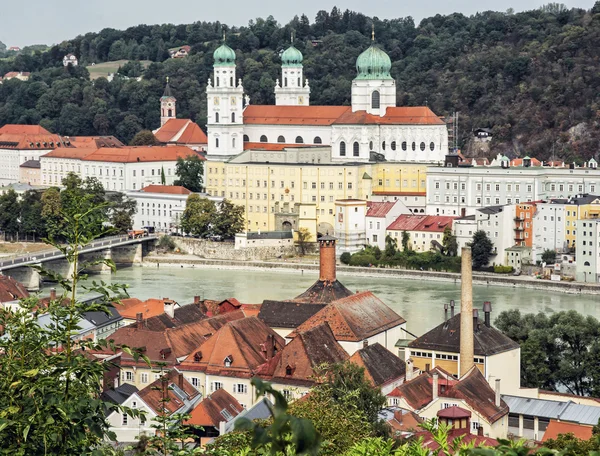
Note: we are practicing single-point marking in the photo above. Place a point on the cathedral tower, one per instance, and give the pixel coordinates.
(373, 89)
(168, 104)
(225, 120)
(293, 89)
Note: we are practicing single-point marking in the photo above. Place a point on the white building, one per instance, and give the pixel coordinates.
(588, 251)
(349, 226)
(464, 228)
(379, 216)
(549, 228)
(461, 190)
(70, 59)
(22, 143)
(499, 225)
(117, 168)
(426, 232)
(372, 124)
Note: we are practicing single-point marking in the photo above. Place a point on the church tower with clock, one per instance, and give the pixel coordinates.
(168, 105)
(225, 120)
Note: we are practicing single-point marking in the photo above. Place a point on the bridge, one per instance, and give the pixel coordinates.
(120, 249)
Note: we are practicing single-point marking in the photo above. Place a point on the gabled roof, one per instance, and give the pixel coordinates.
(556, 428)
(259, 411)
(310, 349)
(446, 337)
(287, 314)
(490, 210)
(379, 210)
(431, 223)
(94, 141)
(181, 131)
(119, 394)
(418, 392)
(15, 129)
(410, 115)
(129, 154)
(11, 290)
(354, 318)
(167, 189)
(324, 291)
(381, 365)
(31, 164)
(180, 392)
(99, 319)
(237, 349)
(29, 141)
(212, 410)
(293, 115)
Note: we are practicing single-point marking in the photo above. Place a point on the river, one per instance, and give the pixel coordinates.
(420, 302)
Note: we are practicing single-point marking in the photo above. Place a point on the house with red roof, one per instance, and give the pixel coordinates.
(426, 232)
(182, 132)
(380, 215)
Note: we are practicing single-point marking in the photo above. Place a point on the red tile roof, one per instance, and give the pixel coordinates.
(14, 74)
(11, 290)
(379, 209)
(414, 115)
(181, 131)
(30, 141)
(94, 141)
(130, 154)
(168, 189)
(418, 392)
(381, 365)
(153, 395)
(14, 129)
(354, 318)
(149, 308)
(431, 223)
(556, 428)
(209, 412)
(519, 162)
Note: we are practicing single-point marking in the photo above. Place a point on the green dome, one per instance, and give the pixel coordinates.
(373, 64)
(291, 57)
(224, 56)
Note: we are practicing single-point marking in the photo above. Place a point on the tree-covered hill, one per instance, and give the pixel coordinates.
(534, 77)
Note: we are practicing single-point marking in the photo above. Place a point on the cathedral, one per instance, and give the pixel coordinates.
(373, 126)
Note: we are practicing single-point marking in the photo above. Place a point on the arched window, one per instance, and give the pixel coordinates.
(299, 83)
(393, 145)
(342, 149)
(414, 146)
(431, 146)
(299, 140)
(370, 145)
(216, 117)
(263, 138)
(317, 140)
(218, 80)
(217, 142)
(355, 149)
(246, 139)
(233, 117)
(281, 139)
(231, 81)
(233, 142)
(375, 97)
(383, 145)
(170, 113)
(422, 146)
(284, 82)
(587, 263)
(404, 146)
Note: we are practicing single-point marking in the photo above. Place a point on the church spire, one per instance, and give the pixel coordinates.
(373, 32)
(167, 92)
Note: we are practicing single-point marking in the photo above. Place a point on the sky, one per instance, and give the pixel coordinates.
(52, 21)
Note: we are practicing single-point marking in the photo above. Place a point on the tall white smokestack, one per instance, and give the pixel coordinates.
(466, 312)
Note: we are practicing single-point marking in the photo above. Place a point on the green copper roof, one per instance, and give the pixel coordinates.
(224, 56)
(373, 64)
(291, 57)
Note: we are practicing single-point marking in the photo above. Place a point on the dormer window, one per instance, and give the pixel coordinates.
(197, 356)
(289, 370)
(227, 361)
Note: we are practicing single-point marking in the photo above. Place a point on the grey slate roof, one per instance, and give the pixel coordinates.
(101, 319)
(119, 394)
(31, 164)
(259, 411)
(491, 209)
(446, 337)
(287, 314)
(542, 408)
(271, 235)
(381, 364)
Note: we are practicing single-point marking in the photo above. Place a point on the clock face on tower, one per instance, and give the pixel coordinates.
(216, 101)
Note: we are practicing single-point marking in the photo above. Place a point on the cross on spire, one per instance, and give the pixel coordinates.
(373, 32)
(224, 36)
(292, 38)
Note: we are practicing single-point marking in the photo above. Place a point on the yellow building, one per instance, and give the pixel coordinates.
(286, 189)
(579, 208)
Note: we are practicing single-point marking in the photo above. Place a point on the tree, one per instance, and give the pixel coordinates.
(449, 242)
(198, 216)
(32, 222)
(549, 256)
(10, 212)
(49, 387)
(405, 241)
(121, 210)
(52, 212)
(144, 138)
(303, 238)
(481, 248)
(346, 257)
(163, 179)
(391, 246)
(189, 173)
(229, 220)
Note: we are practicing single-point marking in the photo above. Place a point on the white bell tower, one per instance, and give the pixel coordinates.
(168, 105)
(293, 89)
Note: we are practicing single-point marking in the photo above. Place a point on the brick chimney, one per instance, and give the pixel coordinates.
(327, 258)
(197, 300)
(435, 387)
(497, 401)
(139, 320)
(52, 294)
(180, 380)
(466, 312)
(409, 369)
(487, 309)
(270, 347)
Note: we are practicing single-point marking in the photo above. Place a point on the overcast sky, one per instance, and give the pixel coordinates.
(51, 21)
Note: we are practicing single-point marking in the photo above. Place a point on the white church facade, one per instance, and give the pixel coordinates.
(373, 124)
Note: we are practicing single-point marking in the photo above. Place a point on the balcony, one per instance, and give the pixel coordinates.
(518, 219)
(519, 228)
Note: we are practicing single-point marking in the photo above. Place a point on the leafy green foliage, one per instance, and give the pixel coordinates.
(499, 269)
(228, 221)
(9, 213)
(346, 257)
(166, 243)
(303, 238)
(202, 218)
(549, 256)
(560, 351)
(449, 242)
(405, 241)
(144, 138)
(481, 248)
(406, 259)
(189, 173)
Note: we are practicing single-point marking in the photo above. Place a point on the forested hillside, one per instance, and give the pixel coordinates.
(533, 77)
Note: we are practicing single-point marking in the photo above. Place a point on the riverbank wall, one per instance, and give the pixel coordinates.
(226, 250)
(293, 267)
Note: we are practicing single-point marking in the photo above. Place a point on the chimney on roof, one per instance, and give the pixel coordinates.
(487, 309)
(435, 386)
(169, 307)
(164, 384)
(497, 402)
(270, 347)
(197, 300)
(445, 311)
(52, 294)
(139, 320)
(452, 308)
(466, 312)
(476, 320)
(180, 380)
(409, 369)
(327, 259)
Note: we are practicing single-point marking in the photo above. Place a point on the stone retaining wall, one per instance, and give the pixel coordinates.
(226, 251)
